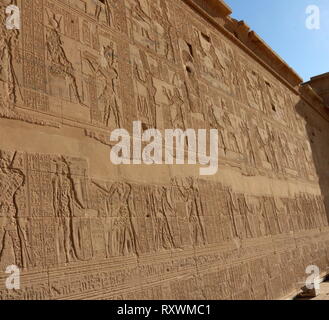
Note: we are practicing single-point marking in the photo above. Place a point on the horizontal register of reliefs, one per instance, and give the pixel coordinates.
(53, 215)
(167, 79)
(78, 69)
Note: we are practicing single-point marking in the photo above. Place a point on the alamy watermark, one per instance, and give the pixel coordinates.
(13, 20)
(169, 148)
(313, 280)
(13, 281)
(313, 20)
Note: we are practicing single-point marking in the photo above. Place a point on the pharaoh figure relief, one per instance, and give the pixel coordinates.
(176, 108)
(145, 90)
(60, 66)
(162, 206)
(214, 64)
(104, 11)
(191, 80)
(68, 203)
(8, 53)
(215, 121)
(233, 133)
(265, 142)
(165, 30)
(189, 191)
(13, 244)
(105, 70)
(121, 235)
(254, 90)
(248, 146)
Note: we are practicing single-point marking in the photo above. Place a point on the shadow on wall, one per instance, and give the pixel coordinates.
(317, 128)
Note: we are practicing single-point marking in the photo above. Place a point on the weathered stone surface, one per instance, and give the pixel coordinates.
(80, 227)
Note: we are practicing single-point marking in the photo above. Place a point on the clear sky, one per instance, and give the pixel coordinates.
(282, 24)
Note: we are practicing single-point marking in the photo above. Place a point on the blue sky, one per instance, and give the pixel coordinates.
(282, 24)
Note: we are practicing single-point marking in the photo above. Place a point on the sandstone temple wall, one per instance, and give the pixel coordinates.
(80, 227)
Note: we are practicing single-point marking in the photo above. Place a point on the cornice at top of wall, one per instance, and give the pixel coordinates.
(218, 13)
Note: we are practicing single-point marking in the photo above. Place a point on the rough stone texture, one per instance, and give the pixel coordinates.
(81, 227)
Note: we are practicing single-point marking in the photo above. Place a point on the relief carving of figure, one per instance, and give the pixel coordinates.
(272, 143)
(146, 105)
(107, 71)
(189, 191)
(269, 211)
(139, 12)
(166, 36)
(8, 79)
(232, 137)
(122, 237)
(191, 81)
(141, 28)
(215, 122)
(266, 148)
(14, 248)
(61, 66)
(245, 212)
(254, 92)
(162, 205)
(249, 148)
(214, 63)
(67, 203)
(109, 6)
(176, 103)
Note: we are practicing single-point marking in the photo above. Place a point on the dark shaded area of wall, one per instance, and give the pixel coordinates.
(317, 128)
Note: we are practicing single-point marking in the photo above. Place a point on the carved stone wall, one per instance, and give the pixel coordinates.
(80, 227)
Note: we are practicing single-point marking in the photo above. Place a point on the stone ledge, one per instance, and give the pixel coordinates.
(320, 84)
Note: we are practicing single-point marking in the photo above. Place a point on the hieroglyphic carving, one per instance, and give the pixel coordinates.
(12, 84)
